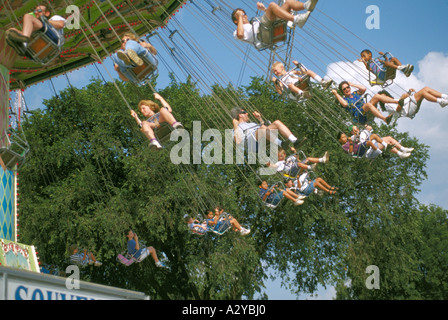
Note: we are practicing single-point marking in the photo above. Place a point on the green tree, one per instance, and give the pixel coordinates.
(91, 175)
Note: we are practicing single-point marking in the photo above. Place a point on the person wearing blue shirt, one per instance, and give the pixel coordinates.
(82, 257)
(141, 253)
(353, 102)
(379, 66)
(130, 56)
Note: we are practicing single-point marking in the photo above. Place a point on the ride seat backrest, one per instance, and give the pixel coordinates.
(277, 195)
(279, 31)
(304, 83)
(10, 158)
(390, 75)
(144, 71)
(292, 165)
(125, 260)
(361, 101)
(163, 132)
(268, 36)
(224, 226)
(41, 48)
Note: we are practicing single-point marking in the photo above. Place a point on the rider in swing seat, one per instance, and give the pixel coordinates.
(258, 31)
(26, 43)
(136, 60)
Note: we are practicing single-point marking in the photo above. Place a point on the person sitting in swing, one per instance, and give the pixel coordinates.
(130, 55)
(378, 66)
(195, 225)
(274, 194)
(359, 149)
(250, 33)
(32, 22)
(291, 79)
(155, 115)
(366, 133)
(307, 186)
(354, 104)
(83, 258)
(215, 221)
(410, 102)
(138, 253)
(251, 132)
(370, 145)
(285, 163)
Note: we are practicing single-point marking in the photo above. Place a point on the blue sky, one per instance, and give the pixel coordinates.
(414, 31)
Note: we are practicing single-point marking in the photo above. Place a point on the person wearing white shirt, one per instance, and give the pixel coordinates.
(410, 102)
(251, 132)
(250, 33)
(53, 28)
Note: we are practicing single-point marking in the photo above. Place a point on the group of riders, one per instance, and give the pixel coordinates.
(298, 178)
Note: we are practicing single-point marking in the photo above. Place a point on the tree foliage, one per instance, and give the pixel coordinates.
(91, 175)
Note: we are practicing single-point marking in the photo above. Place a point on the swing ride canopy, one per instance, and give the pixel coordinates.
(98, 35)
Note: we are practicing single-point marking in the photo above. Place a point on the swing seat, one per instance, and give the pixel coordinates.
(275, 198)
(163, 132)
(146, 71)
(292, 165)
(292, 171)
(125, 259)
(223, 224)
(358, 115)
(304, 84)
(389, 73)
(41, 48)
(128, 259)
(14, 152)
(201, 220)
(364, 155)
(269, 37)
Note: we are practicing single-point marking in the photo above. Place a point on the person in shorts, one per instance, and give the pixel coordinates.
(196, 226)
(372, 145)
(411, 101)
(220, 220)
(379, 66)
(130, 56)
(274, 194)
(291, 80)
(250, 32)
(138, 253)
(32, 22)
(155, 115)
(354, 103)
(82, 258)
(358, 148)
(306, 186)
(248, 133)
